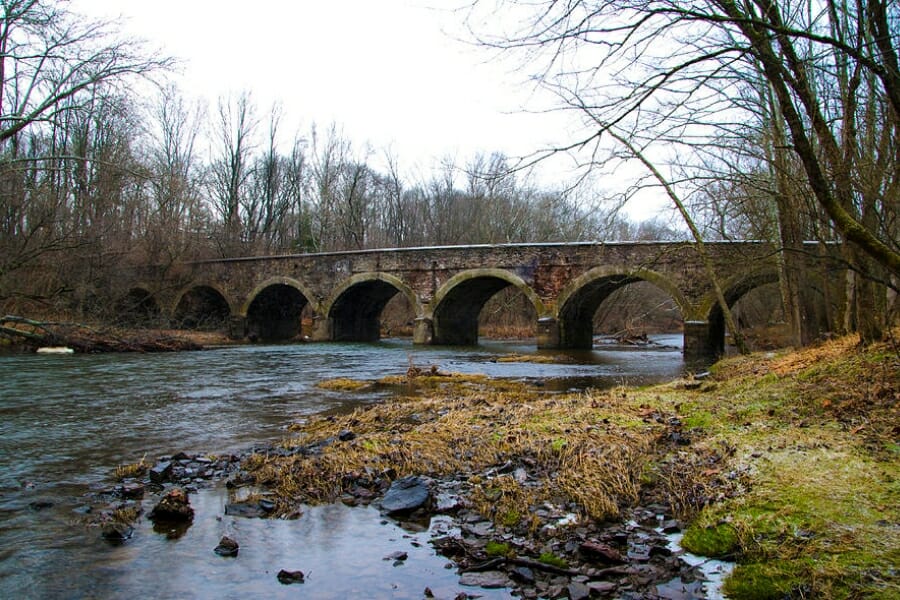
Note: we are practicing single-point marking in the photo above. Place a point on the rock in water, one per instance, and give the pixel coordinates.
(398, 557)
(174, 507)
(288, 577)
(116, 533)
(406, 495)
(227, 547)
(161, 471)
(132, 490)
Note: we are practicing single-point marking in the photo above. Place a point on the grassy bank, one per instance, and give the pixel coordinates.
(819, 432)
(787, 462)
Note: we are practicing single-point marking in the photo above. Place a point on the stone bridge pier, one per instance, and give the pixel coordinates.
(447, 287)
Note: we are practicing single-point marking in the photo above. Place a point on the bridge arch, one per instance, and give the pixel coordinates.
(354, 309)
(733, 289)
(273, 310)
(457, 304)
(202, 305)
(138, 307)
(580, 299)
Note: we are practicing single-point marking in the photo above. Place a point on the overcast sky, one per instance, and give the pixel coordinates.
(392, 73)
(399, 75)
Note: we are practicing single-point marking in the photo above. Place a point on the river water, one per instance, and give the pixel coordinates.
(66, 421)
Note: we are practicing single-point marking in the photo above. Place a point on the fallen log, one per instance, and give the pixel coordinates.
(31, 334)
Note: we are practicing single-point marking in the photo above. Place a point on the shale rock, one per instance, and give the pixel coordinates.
(601, 553)
(174, 507)
(486, 579)
(406, 495)
(161, 472)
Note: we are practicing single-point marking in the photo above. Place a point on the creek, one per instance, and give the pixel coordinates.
(66, 421)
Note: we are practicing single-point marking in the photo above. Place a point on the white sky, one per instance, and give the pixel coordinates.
(384, 70)
(389, 73)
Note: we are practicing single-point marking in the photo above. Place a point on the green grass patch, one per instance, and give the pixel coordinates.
(699, 419)
(371, 446)
(510, 518)
(815, 433)
(766, 581)
(714, 541)
(495, 548)
(548, 558)
(819, 522)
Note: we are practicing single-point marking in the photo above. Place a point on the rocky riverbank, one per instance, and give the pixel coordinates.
(560, 556)
(784, 462)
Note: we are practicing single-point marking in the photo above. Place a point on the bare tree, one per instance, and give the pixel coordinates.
(674, 77)
(174, 214)
(49, 57)
(63, 164)
(231, 169)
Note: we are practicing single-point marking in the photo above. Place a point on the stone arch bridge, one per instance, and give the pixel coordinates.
(448, 286)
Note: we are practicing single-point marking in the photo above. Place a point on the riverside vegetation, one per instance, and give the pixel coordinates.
(783, 462)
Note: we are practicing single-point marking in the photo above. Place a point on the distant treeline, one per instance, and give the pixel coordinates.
(115, 181)
(103, 165)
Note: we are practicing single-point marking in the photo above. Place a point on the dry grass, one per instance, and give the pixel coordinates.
(466, 426)
(133, 470)
(828, 351)
(795, 453)
(534, 358)
(126, 514)
(342, 384)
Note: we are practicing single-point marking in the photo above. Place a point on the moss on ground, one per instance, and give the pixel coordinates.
(821, 516)
(717, 541)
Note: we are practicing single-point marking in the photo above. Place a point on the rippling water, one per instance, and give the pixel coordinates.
(67, 420)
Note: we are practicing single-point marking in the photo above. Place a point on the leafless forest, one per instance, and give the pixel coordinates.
(783, 121)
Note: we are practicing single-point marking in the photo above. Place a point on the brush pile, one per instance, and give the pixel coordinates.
(29, 334)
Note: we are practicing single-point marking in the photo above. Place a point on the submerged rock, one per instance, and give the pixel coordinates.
(399, 557)
(39, 505)
(116, 533)
(406, 495)
(250, 509)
